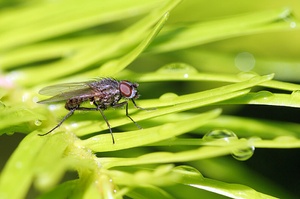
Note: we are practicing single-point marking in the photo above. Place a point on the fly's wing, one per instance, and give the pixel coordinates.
(63, 88)
(63, 92)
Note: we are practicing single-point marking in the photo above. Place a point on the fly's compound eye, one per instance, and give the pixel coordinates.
(128, 89)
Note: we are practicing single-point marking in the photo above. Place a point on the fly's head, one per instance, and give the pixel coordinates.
(128, 89)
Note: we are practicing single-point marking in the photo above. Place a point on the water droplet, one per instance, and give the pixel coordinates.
(19, 165)
(10, 133)
(16, 75)
(295, 96)
(35, 99)
(163, 169)
(296, 93)
(254, 139)
(25, 97)
(293, 24)
(95, 139)
(243, 154)
(247, 75)
(186, 75)
(43, 180)
(286, 139)
(38, 122)
(168, 96)
(54, 107)
(229, 137)
(263, 95)
(224, 134)
(68, 53)
(178, 68)
(74, 125)
(244, 61)
(187, 170)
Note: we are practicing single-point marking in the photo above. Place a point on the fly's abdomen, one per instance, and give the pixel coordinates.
(74, 102)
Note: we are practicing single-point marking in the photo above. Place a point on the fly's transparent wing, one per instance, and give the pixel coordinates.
(63, 88)
(63, 92)
(86, 93)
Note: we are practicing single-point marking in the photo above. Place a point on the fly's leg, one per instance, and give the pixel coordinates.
(104, 117)
(58, 125)
(108, 125)
(127, 114)
(83, 109)
(138, 107)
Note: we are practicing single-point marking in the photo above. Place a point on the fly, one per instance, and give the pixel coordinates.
(102, 93)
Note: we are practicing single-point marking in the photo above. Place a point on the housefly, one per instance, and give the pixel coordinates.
(102, 93)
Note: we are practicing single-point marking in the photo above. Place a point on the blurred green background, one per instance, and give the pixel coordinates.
(270, 48)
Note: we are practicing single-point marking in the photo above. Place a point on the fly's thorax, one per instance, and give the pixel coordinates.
(104, 85)
(107, 100)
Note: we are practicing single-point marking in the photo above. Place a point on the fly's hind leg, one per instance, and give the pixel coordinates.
(58, 125)
(98, 108)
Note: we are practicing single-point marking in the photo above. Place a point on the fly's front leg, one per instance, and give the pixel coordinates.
(125, 103)
(138, 107)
